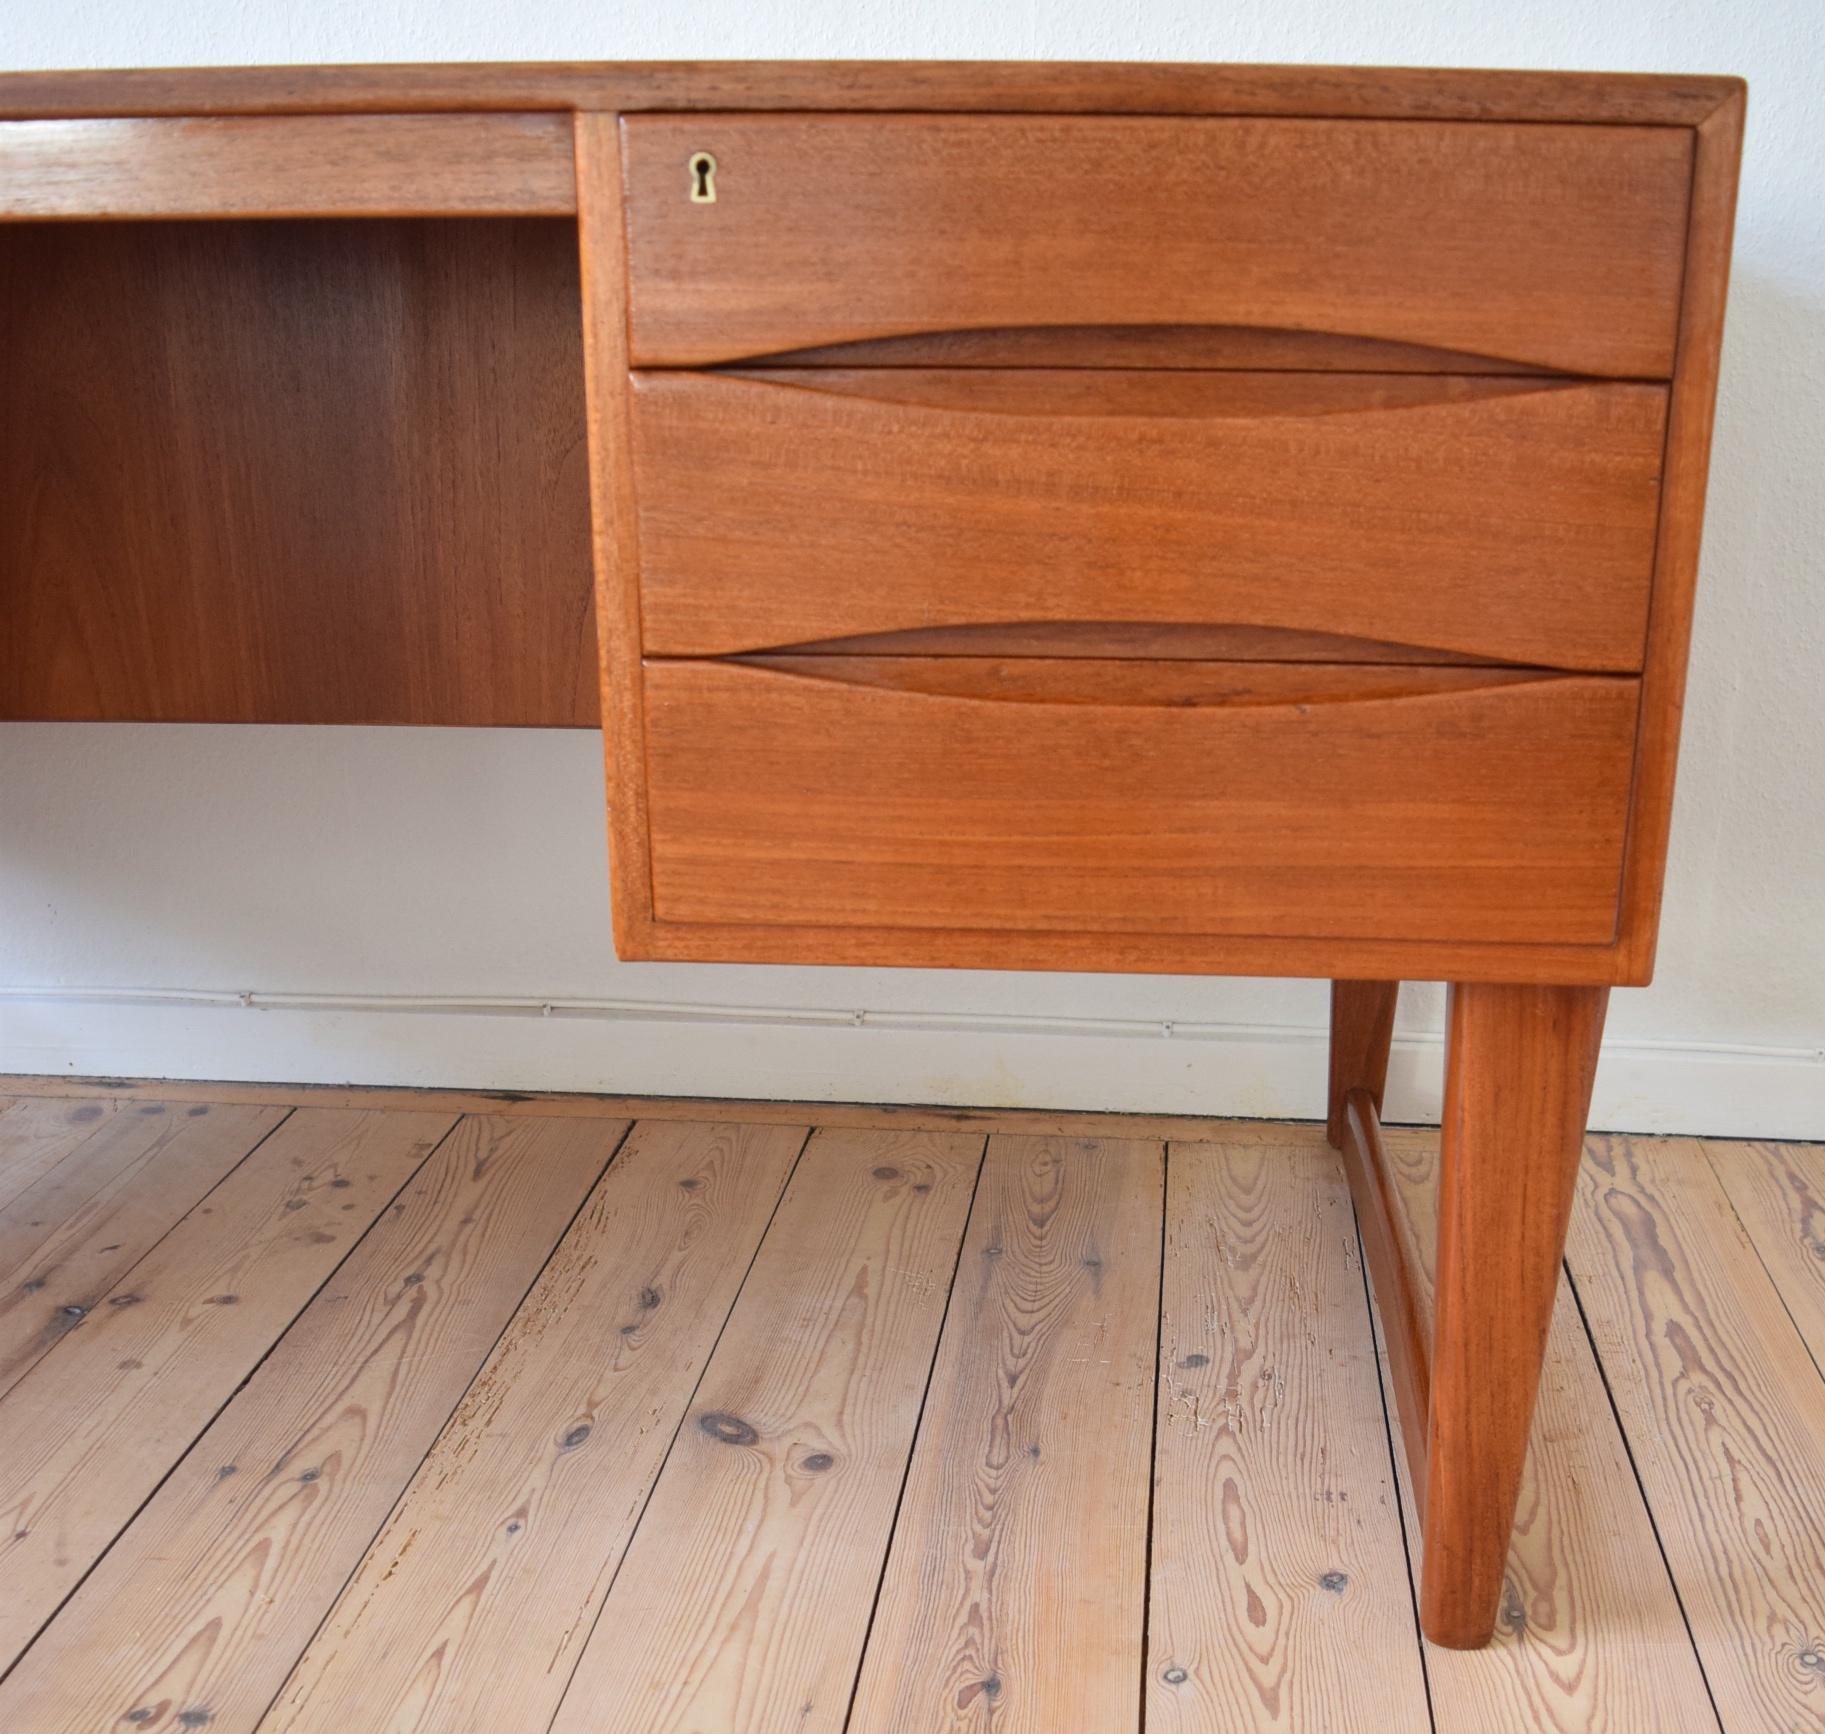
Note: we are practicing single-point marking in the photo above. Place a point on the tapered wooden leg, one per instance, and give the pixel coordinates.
(1362, 1030)
(1518, 1071)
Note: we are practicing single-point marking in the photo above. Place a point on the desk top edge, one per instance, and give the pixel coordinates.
(988, 86)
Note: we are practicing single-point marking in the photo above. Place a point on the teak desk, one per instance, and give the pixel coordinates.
(1219, 519)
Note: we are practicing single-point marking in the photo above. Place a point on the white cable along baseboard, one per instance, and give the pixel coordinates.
(836, 1053)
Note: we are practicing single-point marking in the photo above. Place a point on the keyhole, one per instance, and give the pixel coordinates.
(703, 179)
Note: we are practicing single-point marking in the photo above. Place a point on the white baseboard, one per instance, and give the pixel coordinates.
(823, 1054)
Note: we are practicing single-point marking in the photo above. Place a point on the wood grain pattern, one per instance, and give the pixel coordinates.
(473, 1604)
(1551, 245)
(1682, 509)
(1778, 1194)
(288, 166)
(1725, 1413)
(194, 1616)
(327, 472)
(1362, 1036)
(66, 1246)
(74, 1162)
(1591, 1634)
(1013, 1595)
(1279, 1580)
(1519, 1066)
(779, 799)
(37, 1133)
(1591, 1637)
(1149, 88)
(91, 1430)
(745, 1597)
(1490, 518)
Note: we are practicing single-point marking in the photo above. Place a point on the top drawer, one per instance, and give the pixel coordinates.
(1548, 247)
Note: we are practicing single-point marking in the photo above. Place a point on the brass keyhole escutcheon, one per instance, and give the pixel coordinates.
(703, 178)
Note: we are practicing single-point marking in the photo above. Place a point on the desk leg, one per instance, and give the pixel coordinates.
(1362, 1031)
(1519, 1066)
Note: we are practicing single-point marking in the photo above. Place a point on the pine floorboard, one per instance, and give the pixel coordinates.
(389, 1410)
(1280, 1595)
(472, 1607)
(200, 1607)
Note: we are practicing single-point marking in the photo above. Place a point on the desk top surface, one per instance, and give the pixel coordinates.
(1008, 86)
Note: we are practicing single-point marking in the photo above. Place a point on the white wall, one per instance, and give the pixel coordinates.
(399, 906)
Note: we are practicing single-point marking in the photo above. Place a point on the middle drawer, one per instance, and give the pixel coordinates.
(1455, 517)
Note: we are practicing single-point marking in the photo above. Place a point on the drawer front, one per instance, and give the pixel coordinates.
(1501, 518)
(1085, 797)
(1552, 247)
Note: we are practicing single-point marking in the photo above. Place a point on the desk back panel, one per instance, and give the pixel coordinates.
(302, 472)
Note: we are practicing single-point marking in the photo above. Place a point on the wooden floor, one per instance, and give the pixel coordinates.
(370, 1411)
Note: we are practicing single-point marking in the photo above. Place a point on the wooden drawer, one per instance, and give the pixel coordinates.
(1083, 796)
(1545, 246)
(1503, 518)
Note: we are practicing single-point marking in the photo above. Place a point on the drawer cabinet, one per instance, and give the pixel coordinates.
(1219, 538)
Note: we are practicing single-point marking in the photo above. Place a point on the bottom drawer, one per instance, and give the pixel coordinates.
(1123, 797)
